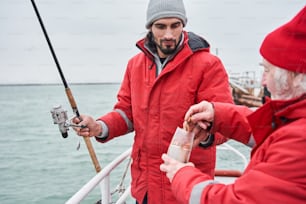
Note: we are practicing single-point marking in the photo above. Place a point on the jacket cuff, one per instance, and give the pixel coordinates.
(115, 123)
(208, 142)
(104, 133)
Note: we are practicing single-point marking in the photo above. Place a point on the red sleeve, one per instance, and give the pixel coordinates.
(276, 174)
(184, 180)
(114, 128)
(234, 123)
(116, 124)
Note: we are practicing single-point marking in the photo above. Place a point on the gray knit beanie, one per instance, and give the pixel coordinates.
(158, 9)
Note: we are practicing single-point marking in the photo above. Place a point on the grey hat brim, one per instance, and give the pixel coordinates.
(166, 14)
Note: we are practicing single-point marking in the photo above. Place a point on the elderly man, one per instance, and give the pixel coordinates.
(277, 131)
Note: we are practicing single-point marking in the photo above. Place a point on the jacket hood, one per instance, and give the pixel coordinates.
(193, 41)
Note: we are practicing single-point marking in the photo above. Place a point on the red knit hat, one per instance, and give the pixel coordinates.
(285, 47)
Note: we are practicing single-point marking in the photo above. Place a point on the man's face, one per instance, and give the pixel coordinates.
(268, 76)
(278, 81)
(166, 34)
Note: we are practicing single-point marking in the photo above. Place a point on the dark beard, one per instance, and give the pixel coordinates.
(153, 45)
(168, 50)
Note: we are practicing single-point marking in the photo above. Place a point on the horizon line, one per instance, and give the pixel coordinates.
(56, 84)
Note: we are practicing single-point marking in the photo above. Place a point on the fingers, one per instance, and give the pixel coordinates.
(168, 161)
(188, 125)
(168, 166)
(196, 109)
(76, 120)
(172, 166)
(85, 132)
(200, 114)
(204, 125)
(192, 110)
(202, 107)
(84, 125)
(194, 125)
(163, 167)
(201, 136)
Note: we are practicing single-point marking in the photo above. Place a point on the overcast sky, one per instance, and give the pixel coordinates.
(94, 39)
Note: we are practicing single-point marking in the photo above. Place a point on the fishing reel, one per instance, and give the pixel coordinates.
(60, 117)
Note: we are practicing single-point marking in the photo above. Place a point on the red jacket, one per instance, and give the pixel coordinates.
(276, 172)
(156, 107)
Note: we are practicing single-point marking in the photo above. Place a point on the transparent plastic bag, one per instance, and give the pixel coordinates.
(181, 145)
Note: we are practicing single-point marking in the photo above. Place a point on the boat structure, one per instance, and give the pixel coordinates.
(246, 91)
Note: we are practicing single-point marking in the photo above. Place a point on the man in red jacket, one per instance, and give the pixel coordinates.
(173, 70)
(277, 131)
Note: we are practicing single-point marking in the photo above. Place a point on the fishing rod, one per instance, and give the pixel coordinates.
(58, 114)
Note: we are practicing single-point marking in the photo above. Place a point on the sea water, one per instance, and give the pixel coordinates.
(37, 165)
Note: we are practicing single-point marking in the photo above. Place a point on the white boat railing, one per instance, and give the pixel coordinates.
(103, 179)
(226, 146)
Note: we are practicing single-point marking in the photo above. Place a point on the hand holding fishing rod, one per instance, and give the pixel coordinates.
(59, 115)
(92, 127)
